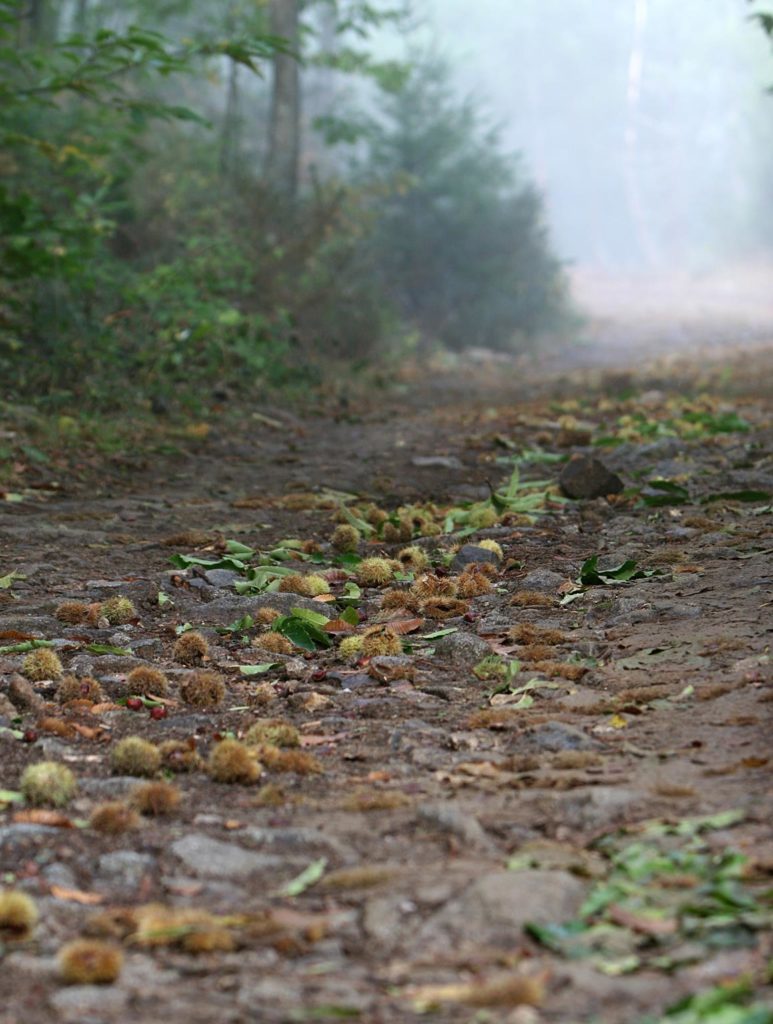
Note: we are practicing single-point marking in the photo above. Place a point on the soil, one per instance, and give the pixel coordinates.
(446, 811)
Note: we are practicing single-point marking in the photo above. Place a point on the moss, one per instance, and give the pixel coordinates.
(155, 799)
(86, 688)
(345, 538)
(232, 762)
(72, 612)
(374, 572)
(118, 611)
(113, 818)
(190, 649)
(144, 680)
(89, 962)
(42, 664)
(18, 915)
(273, 642)
(135, 756)
(48, 783)
(203, 689)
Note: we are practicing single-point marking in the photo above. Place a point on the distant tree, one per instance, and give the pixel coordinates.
(460, 240)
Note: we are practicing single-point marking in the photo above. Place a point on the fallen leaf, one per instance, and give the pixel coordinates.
(42, 816)
(88, 899)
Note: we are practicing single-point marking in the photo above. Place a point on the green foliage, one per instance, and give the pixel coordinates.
(460, 243)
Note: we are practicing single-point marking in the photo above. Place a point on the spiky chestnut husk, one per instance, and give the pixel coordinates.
(72, 612)
(179, 756)
(144, 680)
(56, 727)
(135, 756)
(305, 586)
(89, 962)
(48, 783)
(195, 931)
(203, 689)
(72, 688)
(118, 611)
(155, 798)
(190, 649)
(187, 539)
(295, 761)
(42, 664)
(113, 818)
(398, 599)
(265, 616)
(375, 515)
(270, 795)
(413, 558)
(231, 761)
(491, 545)
(345, 537)
(430, 586)
(374, 572)
(350, 646)
(273, 642)
(395, 534)
(381, 642)
(444, 608)
(473, 584)
(273, 731)
(482, 516)
(526, 633)
(18, 915)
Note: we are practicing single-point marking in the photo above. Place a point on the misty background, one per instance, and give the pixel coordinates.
(645, 123)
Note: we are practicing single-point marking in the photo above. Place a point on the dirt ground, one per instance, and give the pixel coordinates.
(558, 810)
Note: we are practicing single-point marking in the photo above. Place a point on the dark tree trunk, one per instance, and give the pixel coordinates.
(285, 122)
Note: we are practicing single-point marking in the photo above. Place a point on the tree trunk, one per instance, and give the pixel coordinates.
(285, 123)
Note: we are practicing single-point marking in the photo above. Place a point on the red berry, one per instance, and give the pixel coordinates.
(318, 675)
(30, 736)
(158, 712)
(470, 616)
(134, 704)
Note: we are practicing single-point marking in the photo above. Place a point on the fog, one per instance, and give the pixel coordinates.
(645, 123)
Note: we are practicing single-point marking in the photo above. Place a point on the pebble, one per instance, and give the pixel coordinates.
(472, 554)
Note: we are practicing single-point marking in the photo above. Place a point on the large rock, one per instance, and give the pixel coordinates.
(211, 857)
(473, 554)
(463, 648)
(493, 910)
(586, 477)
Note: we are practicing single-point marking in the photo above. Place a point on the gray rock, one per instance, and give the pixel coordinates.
(437, 462)
(493, 910)
(211, 857)
(555, 736)
(465, 648)
(125, 869)
(90, 1004)
(473, 554)
(297, 840)
(586, 477)
(221, 578)
(22, 694)
(600, 806)
(19, 839)
(544, 581)
(450, 817)
(59, 874)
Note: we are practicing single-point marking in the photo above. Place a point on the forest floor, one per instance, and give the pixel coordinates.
(553, 805)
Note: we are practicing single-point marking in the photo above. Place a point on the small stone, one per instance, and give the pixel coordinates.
(221, 578)
(544, 581)
(472, 554)
(92, 1003)
(211, 857)
(450, 817)
(437, 462)
(125, 868)
(464, 648)
(556, 736)
(586, 477)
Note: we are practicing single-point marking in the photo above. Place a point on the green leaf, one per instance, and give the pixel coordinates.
(591, 575)
(7, 581)
(439, 633)
(362, 525)
(238, 625)
(163, 599)
(24, 646)
(670, 494)
(11, 796)
(226, 562)
(259, 670)
(737, 496)
(308, 877)
(234, 547)
(302, 632)
(123, 652)
(351, 616)
(315, 618)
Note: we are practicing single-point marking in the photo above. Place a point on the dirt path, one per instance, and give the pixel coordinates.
(557, 811)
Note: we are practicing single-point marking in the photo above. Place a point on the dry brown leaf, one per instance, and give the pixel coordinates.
(339, 626)
(89, 899)
(640, 923)
(402, 626)
(42, 816)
